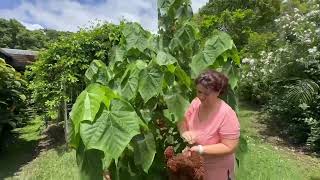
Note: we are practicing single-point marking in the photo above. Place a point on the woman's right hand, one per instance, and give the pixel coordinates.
(186, 151)
(189, 137)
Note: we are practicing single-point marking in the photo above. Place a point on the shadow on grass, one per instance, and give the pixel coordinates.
(314, 178)
(16, 154)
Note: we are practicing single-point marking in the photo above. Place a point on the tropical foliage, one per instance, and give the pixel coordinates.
(127, 114)
(286, 77)
(252, 27)
(57, 75)
(14, 35)
(12, 97)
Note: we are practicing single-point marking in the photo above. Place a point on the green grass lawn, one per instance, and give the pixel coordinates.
(263, 161)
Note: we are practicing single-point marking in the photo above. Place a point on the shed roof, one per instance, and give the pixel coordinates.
(18, 58)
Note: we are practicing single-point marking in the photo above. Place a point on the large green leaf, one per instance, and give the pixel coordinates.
(184, 39)
(130, 79)
(164, 6)
(230, 98)
(184, 12)
(136, 37)
(112, 130)
(88, 103)
(177, 105)
(98, 72)
(150, 82)
(232, 72)
(183, 76)
(117, 55)
(145, 150)
(164, 58)
(89, 163)
(214, 47)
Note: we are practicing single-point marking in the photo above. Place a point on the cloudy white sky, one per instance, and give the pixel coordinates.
(69, 15)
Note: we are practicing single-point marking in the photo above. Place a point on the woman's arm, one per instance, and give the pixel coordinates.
(227, 146)
(181, 126)
(188, 136)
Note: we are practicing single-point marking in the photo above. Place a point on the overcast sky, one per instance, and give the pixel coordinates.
(69, 15)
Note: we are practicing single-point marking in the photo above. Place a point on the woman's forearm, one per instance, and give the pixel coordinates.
(217, 149)
(226, 146)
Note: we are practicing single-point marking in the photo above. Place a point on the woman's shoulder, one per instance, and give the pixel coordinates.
(195, 102)
(227, 109)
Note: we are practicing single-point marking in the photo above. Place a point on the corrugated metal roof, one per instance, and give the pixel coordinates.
(19, 58)
(18, 52)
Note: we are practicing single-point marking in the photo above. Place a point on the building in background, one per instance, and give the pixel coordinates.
(18, 58)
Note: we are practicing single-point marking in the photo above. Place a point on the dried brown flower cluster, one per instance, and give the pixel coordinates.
(183, 167)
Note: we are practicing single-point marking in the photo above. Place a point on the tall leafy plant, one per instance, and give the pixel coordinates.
(128, 112)
(57, 75)
(12, 96)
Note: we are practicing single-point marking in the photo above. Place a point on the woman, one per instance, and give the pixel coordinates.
(212, 127)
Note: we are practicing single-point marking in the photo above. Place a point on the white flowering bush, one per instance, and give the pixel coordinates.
(295, 99)
(256, 77)
(287, 78)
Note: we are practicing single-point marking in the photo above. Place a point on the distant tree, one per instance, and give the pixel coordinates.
(14, 35)
(245, 20)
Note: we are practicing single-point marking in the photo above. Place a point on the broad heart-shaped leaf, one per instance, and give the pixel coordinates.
(113, 129)
(230, 98)
(117, 55)
(184, 39)
(184, 12)
(177, 105)
(89, 163)
(144, 150)
(98, 72)
(214, 47)
(183, 76)
(130, 79)
(135, 37)
(164, 58)
(164, 6)
(150, 82)
(88, 103)
(232, 72)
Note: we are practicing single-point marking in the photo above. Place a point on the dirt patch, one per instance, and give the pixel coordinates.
(53, 136)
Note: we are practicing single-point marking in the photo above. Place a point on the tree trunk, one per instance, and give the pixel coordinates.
(66, 124)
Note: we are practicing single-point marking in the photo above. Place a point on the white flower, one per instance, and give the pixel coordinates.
(245, 60)
(303, 106)
(312, 50)
(308, 41)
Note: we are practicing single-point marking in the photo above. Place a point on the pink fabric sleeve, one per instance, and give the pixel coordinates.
(230, 127)
(188, 115)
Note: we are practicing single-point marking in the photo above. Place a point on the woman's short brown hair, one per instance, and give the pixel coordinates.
(213, 80)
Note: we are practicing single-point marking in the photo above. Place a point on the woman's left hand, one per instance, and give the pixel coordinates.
(194, 149)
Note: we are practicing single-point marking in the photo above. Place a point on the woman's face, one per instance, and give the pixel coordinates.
(205, 95)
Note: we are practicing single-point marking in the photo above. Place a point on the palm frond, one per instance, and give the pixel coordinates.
(303, 91)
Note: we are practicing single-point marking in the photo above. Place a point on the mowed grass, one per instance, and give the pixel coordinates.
(55, 164)
(263, 161)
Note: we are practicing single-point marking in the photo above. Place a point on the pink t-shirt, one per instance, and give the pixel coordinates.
(223, 125)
